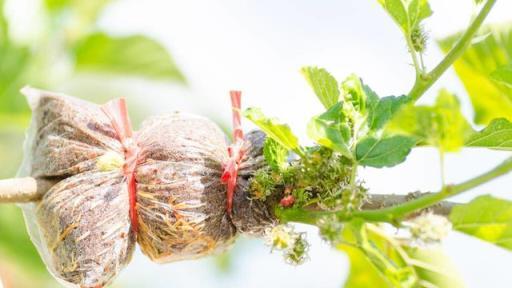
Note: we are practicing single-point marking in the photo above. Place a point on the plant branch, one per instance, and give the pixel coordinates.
(22, 190)
(399, 210)
(312, 213)
(417, 67)
(422, 84)
(394, 213)
(380, 201)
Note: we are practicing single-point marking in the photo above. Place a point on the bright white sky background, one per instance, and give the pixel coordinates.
(258, 46)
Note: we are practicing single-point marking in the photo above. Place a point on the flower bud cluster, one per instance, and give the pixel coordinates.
(293, 244)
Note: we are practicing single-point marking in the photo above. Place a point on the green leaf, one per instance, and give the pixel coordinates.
(503, 75)
(274, 129)
(441, 125)
(365, 103)
(324, 85)
(491, 99)
(498, 135)
(433, 266)
(418, 10)
(453, 126)
(408, 14)
(362, 273)
(385, 152)
(275, 154)
(487, 218)
(392, 263)
(331, 130)
(384, 110)
(397, 11)
(131, 55)
(357, 94)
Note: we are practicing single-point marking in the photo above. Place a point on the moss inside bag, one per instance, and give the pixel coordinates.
(165, 187)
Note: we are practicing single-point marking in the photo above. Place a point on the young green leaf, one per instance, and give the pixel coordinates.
(372, 99)
(418, 10)
(384, 152)
(274, 129)
(453, 126)
(441, 125)
(324, 85)
(503, 75)
(362, 272)
(407, 13)
(331, 130)
(355, 94)
(397, 11)
(487, 218)
(276, 155)
(433, 266)
(384, 110)
(498, 135)
(131, 55)
(491, 99)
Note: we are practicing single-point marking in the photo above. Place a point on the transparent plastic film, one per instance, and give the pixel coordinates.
(160, 187)
(180, 199)
(81, 226)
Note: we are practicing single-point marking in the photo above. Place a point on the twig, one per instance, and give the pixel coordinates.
(375, 202)
(379, 201)
(22, 190)
(397, 212)
(422, 84)
(402, 208)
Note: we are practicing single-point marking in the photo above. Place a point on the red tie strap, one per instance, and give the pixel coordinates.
(236, 150)
(116, 110)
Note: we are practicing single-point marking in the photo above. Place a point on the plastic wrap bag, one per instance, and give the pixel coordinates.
(83, 228)
(82, 225)
(180, 197)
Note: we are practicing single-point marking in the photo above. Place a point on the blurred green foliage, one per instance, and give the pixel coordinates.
(71, 43)
(487, 218)
(492, 51)
(441, 125)
(131, 55)
(395, 263)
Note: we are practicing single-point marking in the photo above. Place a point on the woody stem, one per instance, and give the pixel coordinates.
(22, 190)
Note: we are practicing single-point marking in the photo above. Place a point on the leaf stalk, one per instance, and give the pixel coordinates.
(422, 84)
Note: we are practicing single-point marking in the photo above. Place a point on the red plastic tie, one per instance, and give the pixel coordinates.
(117, 111)
(236, 150)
